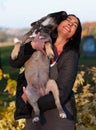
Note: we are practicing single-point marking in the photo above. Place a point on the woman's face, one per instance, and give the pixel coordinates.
(67, 28)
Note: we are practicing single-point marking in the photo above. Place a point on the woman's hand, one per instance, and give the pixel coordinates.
(24, 95)
(38, 43)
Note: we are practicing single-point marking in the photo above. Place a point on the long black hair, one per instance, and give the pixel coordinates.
(74, 42)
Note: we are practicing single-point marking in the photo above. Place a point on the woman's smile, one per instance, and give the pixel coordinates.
(66, 28)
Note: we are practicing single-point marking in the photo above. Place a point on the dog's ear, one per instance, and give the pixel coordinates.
(59, 16)
(38, 22)
(32, 24)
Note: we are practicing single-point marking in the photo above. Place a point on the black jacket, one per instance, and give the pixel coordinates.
(67, 65)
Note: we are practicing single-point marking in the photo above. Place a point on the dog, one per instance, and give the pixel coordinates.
(37, 66)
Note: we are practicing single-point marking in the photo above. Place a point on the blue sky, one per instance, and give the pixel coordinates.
(20, 13)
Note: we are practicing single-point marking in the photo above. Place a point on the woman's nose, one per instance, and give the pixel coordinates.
(70, 23)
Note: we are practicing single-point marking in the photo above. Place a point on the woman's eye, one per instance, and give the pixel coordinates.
(75, 25)
(72, 23)
(67, 20)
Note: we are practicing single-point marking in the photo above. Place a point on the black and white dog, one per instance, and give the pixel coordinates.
(45, 26)
(37, 66)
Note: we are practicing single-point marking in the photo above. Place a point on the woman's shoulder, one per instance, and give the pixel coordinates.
(68, 57)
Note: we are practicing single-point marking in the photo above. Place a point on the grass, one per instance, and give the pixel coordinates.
(5, 64)
(88, 61)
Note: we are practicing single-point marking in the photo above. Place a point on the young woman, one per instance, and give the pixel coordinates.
(66, 43)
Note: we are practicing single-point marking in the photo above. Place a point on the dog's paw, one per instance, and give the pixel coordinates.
(14, 53)
(62, 115)
(35, 119)
(16, 49)
(15, 40)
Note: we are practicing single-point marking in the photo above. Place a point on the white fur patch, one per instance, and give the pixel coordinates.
(15, 40)
(49, 20)
(33, 35)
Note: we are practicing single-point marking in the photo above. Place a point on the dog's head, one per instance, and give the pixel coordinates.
(48, 23)
(45, 26)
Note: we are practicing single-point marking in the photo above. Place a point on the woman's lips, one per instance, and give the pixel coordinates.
(67, 29)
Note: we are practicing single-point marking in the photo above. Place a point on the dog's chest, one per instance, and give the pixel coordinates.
(38, 58)
(37, 64)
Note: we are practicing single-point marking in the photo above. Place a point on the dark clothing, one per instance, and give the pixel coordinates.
(67, 66)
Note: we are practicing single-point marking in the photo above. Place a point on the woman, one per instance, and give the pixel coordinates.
(66, 42)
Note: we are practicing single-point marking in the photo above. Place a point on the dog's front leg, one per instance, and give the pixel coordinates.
(49, 50)
(16, 49)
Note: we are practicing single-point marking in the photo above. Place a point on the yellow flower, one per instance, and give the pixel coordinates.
(1, 74)
(11, 87)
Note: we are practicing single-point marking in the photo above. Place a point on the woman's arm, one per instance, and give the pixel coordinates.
(25, 52)
(67, 71)
(67, 75)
